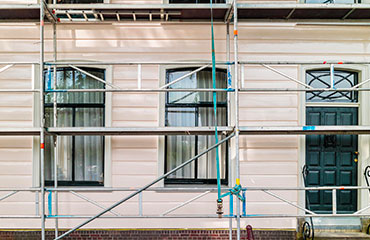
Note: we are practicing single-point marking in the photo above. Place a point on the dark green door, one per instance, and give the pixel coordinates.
(330, 159)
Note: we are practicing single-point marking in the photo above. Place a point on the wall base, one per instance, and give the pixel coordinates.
(149, 234)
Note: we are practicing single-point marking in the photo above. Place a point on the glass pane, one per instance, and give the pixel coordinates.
(207, 168)
(89, 117)
(205, 81)
(206, 117)
(201, 79)
(89, 155)
(89, 152)
(207, 163)
(64, 151)
(321, 79)
(72, 79)
(179, 150)
(181, 117)
(188, 82)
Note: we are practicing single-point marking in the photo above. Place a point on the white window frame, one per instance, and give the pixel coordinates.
(36, 173)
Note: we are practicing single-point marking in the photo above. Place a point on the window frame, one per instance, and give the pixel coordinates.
(73, 107)
(348, 71)
(107, 166)
(197, 106)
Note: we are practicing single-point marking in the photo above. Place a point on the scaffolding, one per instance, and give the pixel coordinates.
(229, 13)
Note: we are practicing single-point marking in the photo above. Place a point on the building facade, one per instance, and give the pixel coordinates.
(112, 166)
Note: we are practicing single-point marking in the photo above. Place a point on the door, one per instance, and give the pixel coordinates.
(331, 160)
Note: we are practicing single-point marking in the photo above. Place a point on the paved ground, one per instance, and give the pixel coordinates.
(341, 235)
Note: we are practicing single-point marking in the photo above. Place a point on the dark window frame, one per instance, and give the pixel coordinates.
(195, 180)
(74, 106)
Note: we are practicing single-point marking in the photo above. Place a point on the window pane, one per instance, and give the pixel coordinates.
(207, 163)
(181, 117)
(89, 155)
(89, 117)
(321, 79)
(179, 150)
(207, 168)
(205, 81)
(206, 117)
(65, 116)
(72, 79)
(201, 79)
(188, 82)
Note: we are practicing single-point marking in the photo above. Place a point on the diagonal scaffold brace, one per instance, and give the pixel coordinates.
(146, 186)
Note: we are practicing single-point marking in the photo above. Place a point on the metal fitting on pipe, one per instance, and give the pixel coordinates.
(219, 208)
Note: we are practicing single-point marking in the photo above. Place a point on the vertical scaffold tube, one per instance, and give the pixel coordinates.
(55, 117)
(229, 112)
(236, 81)
(42, 121)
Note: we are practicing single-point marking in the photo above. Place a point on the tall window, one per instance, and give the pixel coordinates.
(192, 109)
(80, 158)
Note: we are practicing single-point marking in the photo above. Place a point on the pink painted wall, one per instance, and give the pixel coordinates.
(135, 159)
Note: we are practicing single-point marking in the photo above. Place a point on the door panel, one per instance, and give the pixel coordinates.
(330, 159)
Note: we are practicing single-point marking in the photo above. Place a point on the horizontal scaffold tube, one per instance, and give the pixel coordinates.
(142, 90)
(217, 216)
(208, 90)
(298, 130)
(158, 131)
(188, 63)
(190, 189)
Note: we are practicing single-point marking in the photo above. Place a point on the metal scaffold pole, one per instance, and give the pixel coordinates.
(236, 80)
(55, 125)
(42, 120)
(228, 110)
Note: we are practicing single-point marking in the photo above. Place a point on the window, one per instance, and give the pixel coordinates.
(80, 158)
(192, 109)
(321, 79)
(196, 1)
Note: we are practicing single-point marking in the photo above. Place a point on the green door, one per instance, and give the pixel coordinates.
(330, 159)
